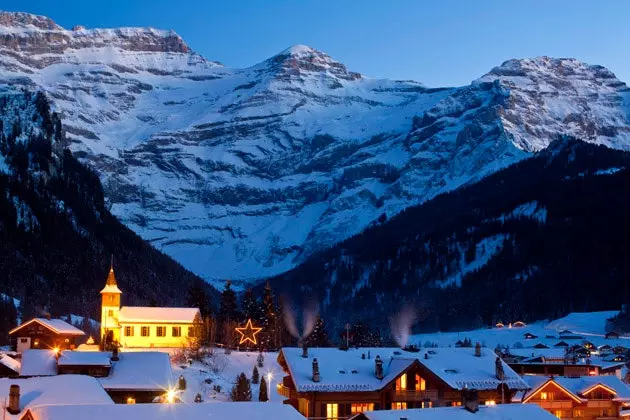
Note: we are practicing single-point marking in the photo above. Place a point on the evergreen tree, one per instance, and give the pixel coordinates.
(262, 391)
(228, 310)
(255, 375)
(319, 336)
(241, 391)
(362, 336)
(251, 309)
(269, 318)
(198, 298)
(260, 360)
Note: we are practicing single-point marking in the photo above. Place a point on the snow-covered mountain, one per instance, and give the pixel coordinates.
(243, 173)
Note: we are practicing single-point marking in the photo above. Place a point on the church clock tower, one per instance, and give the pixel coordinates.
(110, 308)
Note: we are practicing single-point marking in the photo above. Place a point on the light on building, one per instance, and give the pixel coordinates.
(131, 400)
(170, 396)
(56, 351)
(491, 402)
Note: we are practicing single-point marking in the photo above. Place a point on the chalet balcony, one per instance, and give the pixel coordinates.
(409, 396)
(286, 392)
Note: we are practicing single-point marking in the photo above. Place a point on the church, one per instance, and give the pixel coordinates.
(145, 327)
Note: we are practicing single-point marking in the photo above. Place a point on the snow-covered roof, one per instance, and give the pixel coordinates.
(226, 410)
(10, 362)
(581, 385)
(84, 358)
(553, 353)
(38, 363)
(111, 288)
(497, 412)
(147, 370)
(56, 325)
(460, 368)
(343, 370)
(151, 314)
(62, 389)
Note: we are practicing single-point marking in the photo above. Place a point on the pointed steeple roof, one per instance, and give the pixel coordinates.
(111, 286)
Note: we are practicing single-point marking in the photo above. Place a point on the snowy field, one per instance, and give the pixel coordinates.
(221, 369)
(589, 325)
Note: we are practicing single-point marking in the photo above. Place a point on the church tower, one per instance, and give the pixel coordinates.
(110, 307)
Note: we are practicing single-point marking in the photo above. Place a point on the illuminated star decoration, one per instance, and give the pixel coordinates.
(248, 333)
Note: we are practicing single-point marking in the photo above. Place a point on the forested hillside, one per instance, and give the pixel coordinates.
(56, 233)
(541, 238)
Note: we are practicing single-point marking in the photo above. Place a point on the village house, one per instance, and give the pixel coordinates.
(44, 333)
(201, 411)
(334, 383)
(145, 327)
(127, 377)
(19, 395)
(585, 397)
(497, 412)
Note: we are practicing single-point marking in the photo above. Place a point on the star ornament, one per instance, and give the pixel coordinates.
(248, 333)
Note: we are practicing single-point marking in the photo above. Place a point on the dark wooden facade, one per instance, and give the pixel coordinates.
(122, 396)
(89, 370)
(35, 335)
(421, 388)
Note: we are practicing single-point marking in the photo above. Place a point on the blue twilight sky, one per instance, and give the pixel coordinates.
(445, 42)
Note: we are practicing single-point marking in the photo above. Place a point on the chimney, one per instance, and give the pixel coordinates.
(369, 355)
(470, 400)
(498, 369)
(316, 377)
(14, 399)
(304, 350)
(115, 354)
(478, 350)
(378, 367)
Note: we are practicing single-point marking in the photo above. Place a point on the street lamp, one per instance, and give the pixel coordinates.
(269, 378)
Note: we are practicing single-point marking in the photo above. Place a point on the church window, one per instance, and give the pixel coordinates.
(161, 331)
(111, 298)
(129, 331)
(144, 331)
(177, 331)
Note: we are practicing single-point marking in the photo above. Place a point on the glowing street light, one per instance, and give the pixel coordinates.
(269, 378)
(170, 396)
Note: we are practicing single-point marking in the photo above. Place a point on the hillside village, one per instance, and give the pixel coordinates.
(149, 357)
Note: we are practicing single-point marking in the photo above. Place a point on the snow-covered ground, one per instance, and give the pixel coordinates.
(222, 369)
(590, 325)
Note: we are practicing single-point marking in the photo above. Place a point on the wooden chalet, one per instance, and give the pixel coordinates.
(587, 397)
(529, 336)
(335, 384)
(472, 412)
(44, 333)
(569, 367)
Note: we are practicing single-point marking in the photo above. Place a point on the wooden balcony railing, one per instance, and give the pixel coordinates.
(286, 391)
(429, 395)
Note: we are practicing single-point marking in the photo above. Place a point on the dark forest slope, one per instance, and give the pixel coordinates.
(543, 237)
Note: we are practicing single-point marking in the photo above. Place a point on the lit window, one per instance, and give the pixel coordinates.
(401, 382)
(332, 411)
(177, 331)
(129, 331)
(161, 331)
(399, 406)
(36, 343)
(110, 313)
(544, 396)
(429, 404)
(360, 408)
(144, 331)
(578, 413)
(491, 402)
(456, 404)
(131, 400)
(421, 384)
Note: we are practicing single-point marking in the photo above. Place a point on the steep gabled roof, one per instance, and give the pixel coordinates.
(498, 412)
(579, 387)
(156, 315)
(55, 325)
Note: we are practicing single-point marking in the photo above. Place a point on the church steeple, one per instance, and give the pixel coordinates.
(111, 278)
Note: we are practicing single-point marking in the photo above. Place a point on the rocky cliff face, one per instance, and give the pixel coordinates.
(243, 173)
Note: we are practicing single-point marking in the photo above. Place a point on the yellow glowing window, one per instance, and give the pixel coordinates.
(360, 408)
(129, 331)
(491, 402)
(421, 384)
(544, 396)
(399, 406)
(558, 413)
(131, 400)
(144, 331)
(578, 413)
(401, 382)
(332, 411)
(455, 404)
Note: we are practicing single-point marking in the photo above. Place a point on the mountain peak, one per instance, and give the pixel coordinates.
(300, 60)
(26, 21)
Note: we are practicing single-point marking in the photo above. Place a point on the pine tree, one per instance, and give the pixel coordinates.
(198, 298)
(255, 375)
(228, 309)
(269, 318)
(251, 309)
(241, 391)
(362, 336)
(319, 336)
(262, 391)
(260, 360)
